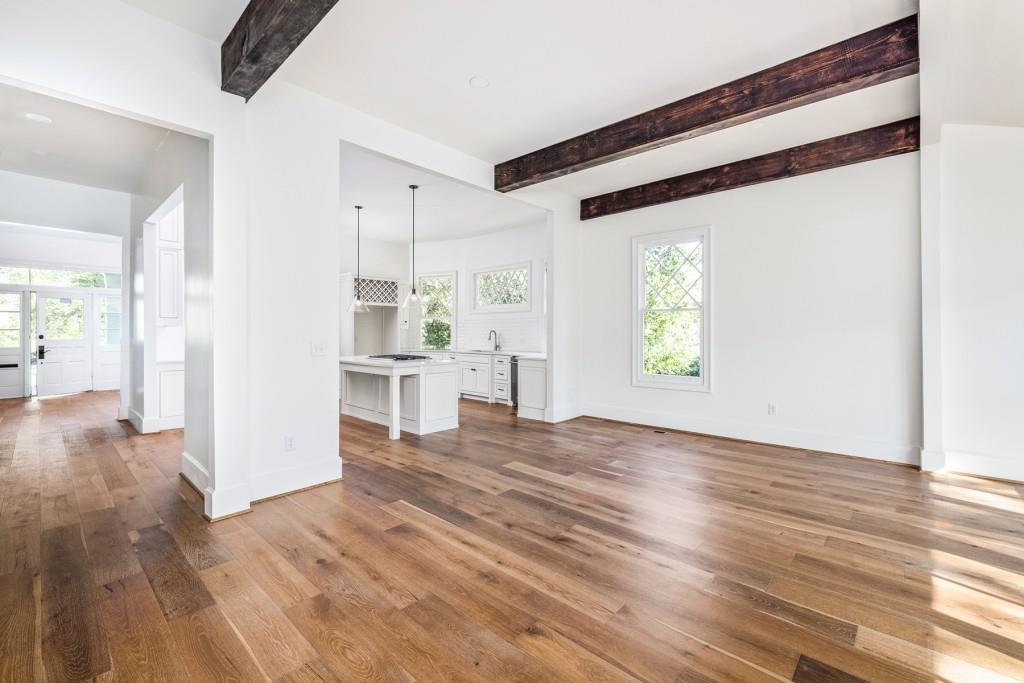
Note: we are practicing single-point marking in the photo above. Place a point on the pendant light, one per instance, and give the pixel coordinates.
(358, 305)
(412, 299)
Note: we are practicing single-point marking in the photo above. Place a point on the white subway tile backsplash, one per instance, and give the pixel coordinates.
(517, 332)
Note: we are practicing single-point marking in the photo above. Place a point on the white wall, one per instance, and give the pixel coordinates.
(520, 331)
(275, 281)
(183, 161)
(969, 51)
(815, 307)
(43, 246)
(295, 261)
(121, 64)
(56, 204)
(380, 258)
(982, 290)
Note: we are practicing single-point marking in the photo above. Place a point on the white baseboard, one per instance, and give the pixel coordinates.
(561, 413)
(1006, 466)
(932, 461)
(828, 443)
(124, 413)
(227, 501)
(288, 479)
(195, 472)
(530, 413)
(151, 425)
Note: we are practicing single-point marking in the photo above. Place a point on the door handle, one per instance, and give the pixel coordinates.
(42, 352)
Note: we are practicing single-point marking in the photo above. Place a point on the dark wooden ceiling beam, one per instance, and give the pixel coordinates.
(874, 143)
(264, 36)
(881, 55)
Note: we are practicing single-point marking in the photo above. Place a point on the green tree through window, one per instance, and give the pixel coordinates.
(438, 292)
(672, 307)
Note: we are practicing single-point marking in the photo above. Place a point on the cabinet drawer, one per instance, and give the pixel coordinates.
(502, 360)
(471, 358)
(500, 390)
(501, 373)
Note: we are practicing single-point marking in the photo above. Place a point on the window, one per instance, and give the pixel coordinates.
(502, 289)
(10, 275)
(50, 277)
(65, 318)
(110, 319)
(670, 310)
(438, 322)
(10, 320)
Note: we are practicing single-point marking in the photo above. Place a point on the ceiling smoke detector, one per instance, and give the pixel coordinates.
(479, 82)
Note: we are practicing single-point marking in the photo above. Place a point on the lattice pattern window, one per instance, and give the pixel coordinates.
(379, 292)
(670, 316)
(503, 289)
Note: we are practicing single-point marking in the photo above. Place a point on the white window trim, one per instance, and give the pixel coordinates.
(454, 275)
(504, 308)
(639, 377)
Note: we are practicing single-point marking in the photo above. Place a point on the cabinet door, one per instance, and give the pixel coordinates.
(467, 379)
(532, 387)
(483, 379)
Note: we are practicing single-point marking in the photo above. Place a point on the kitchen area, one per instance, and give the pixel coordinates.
(443, 297)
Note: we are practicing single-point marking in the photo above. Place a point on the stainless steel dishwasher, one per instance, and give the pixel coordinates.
(514, 371)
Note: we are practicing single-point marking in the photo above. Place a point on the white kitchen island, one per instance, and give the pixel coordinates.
(418, 396)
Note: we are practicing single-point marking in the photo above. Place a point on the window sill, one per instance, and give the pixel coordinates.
(672, 385)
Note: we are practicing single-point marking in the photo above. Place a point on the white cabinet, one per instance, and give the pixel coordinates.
(475, 379)
(501, 376)
(533, 388)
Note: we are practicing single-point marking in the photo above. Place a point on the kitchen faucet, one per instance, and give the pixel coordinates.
(497, 344)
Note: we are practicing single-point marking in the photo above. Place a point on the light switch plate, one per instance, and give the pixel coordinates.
(317, 349)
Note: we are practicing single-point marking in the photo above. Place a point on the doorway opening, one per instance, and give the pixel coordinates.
(60, 329)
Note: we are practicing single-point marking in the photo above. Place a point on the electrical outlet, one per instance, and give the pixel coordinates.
(289, 442)
(317, 349)
(772, 410)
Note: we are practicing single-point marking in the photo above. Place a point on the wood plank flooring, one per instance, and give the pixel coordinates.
(505, 550)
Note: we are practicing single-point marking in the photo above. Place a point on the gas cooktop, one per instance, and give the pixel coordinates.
(401, 356)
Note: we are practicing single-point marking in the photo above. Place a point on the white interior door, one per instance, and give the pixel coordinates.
(13, 343)
(65, 351)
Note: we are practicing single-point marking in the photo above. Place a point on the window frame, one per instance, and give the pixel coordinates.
(640, 244)
(98, 314)
(20, 298)
(503, 308)
(454, 275)
(31, 265)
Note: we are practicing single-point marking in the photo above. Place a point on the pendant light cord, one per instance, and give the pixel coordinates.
(359, 241)
(413, 188)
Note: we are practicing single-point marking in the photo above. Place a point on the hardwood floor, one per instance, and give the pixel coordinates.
(505, 550)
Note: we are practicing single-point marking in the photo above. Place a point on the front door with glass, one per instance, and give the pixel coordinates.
(65, 351)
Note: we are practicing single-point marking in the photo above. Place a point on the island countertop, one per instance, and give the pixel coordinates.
(389, 363)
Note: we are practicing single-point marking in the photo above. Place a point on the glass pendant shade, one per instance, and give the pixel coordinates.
(413, 301)
(358, 305)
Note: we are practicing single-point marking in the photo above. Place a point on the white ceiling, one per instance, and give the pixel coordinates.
(82, 145)
(212, 19)
(556, 69)
(445, 209)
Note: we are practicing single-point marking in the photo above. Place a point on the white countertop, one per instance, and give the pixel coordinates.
(531, 355)
(386, 362)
